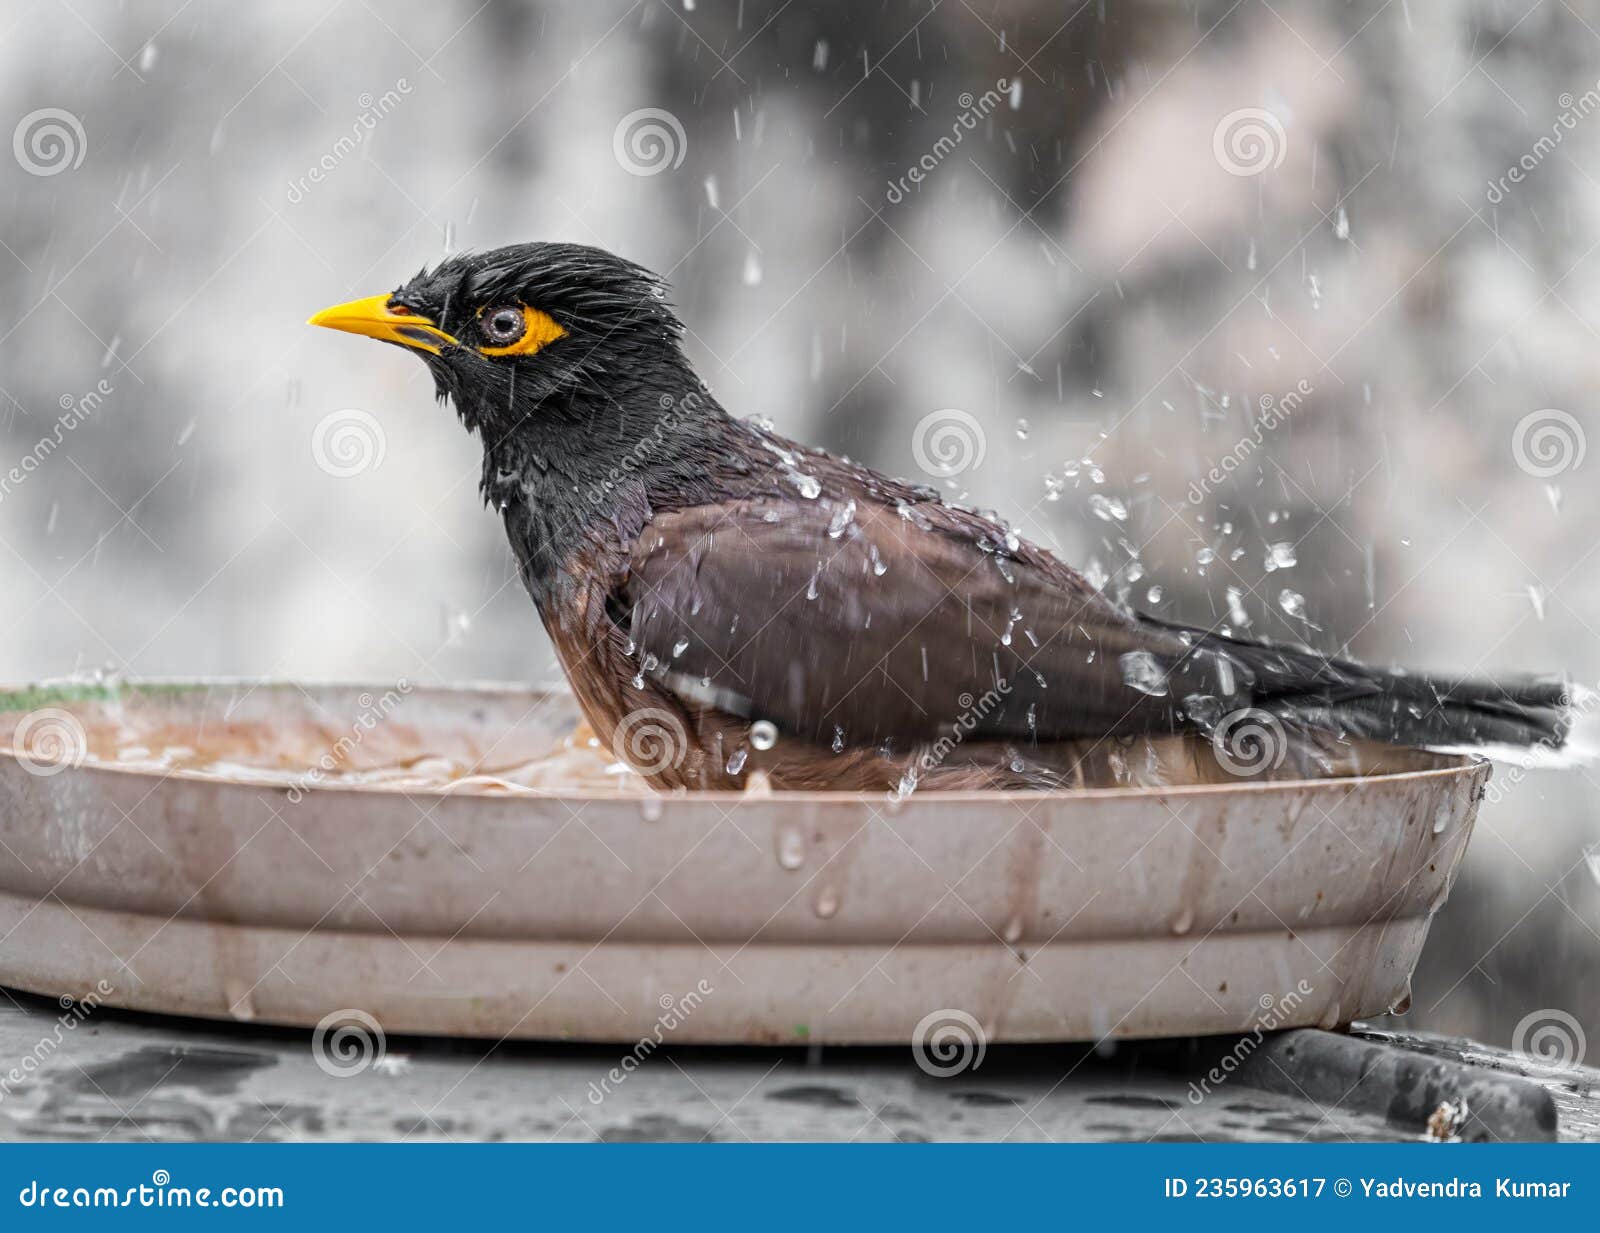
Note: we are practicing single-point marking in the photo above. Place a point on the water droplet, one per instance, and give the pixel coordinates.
(1441, 817)
(827, 902)
(1154, 594)
(1107, 509)
(736, 760)
(791, 848)
(1183, 921)
(1022, 430)
(679, 647)
(838, 739)
(1013, 931)
(808, 486)
(751, 274)
(1536, 594)
(1236, 612)
(1280, 556)
(763, 735)
(1293, 603)
(650, 809)
(843, 516)
(1141, 671)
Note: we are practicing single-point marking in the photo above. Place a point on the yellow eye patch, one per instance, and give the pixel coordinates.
(538, 330)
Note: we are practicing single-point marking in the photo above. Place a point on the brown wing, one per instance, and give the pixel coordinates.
(861, 624)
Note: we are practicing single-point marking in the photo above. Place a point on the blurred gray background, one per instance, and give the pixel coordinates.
(1165, 215)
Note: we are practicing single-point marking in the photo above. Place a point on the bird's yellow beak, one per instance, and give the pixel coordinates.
(375, 318)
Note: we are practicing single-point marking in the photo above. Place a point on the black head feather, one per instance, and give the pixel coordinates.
(600, 425)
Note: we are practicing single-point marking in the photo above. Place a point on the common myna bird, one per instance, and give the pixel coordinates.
(724, 600)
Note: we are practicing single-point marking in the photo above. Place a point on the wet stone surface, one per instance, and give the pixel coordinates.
(120, 1076)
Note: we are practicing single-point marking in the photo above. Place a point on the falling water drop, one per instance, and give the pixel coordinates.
(791, 848)
(1141, 671)
(763, 735)
(1280, 556)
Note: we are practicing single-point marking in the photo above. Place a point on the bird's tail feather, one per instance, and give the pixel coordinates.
(1534, 717)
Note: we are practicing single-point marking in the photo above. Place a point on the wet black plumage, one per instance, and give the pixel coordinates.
(707, 573)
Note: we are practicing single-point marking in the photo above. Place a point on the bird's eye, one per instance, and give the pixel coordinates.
(503, 325)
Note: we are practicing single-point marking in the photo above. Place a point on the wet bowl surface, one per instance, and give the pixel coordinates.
(270, 851)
